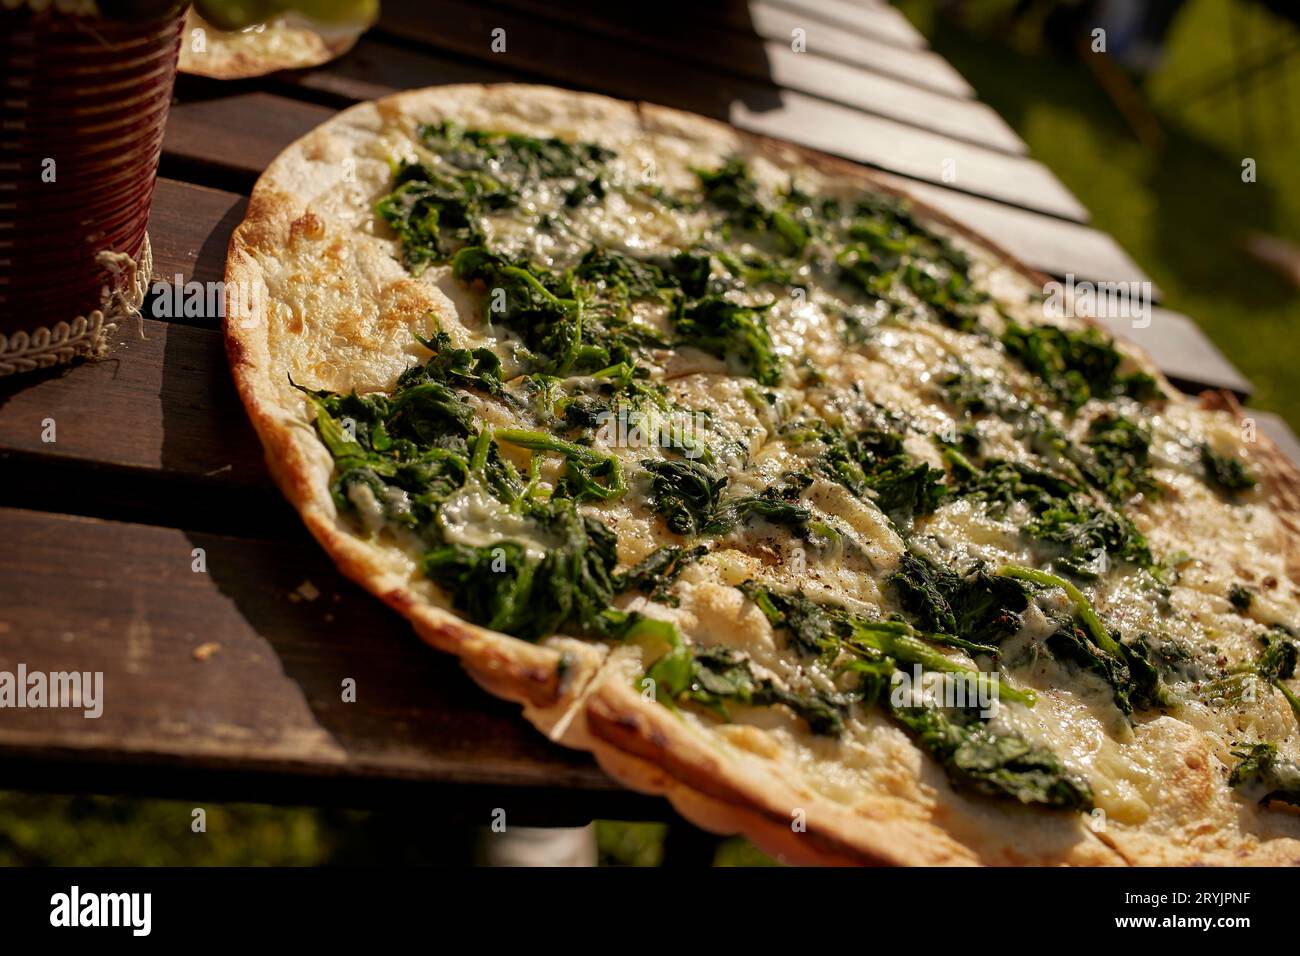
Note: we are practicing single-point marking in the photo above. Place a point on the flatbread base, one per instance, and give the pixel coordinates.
(589, 702)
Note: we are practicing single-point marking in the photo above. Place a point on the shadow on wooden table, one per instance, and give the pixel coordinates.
(295, 637)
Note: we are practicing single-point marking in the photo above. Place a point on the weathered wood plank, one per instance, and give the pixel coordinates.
(870, 20)
(190, 227)
(1182, 351)
(772, 63)
(163, 403)
(892, 98)
(919, 67)
(375, 68)
(96, 596)
(233, 138)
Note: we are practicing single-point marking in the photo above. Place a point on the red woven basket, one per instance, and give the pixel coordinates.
(85, 103)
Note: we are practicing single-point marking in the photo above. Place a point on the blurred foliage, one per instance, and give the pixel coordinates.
(78, 830)
(630, 844)
(738, 851)
(1182, 210)
(58, 830)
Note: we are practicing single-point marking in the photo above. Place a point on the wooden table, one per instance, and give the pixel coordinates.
(153, 457)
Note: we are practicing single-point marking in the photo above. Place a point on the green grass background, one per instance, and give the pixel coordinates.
(1180, 211)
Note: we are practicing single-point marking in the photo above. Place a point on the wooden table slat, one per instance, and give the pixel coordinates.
(895, 99)
(236, 137)
(919, 67)
(1182, 350)
(164, 403)
(189, 229)
(375, 68)
(776, 63)
(870, 20)
(917, 154)
(269, 698)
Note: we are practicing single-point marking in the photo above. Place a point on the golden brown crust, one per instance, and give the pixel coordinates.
(589, 703)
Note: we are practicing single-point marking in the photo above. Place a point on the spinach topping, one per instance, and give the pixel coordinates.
(1084, 535)
(874, 247)
(689, 497)
(827, 631)
(1277, 662)
(1114, 459)
(412, 450)
(542, 308)
(1091, 538)
(464, 368)
(1226, 474)
(1240, 597)
(1083, 539)
(999, 764)
(685, 492)
(1120, 464)
(568, 591)
(620, 279)
(982, 608)
(732, 189)
(1075, 366)
(726, 329)
(717, 676)
(513, 161)
(407, 452)
(655, 573)
(436, 211)
(589, 475)
(1260, 769)
(1085, 641)
(581, 321)
(873, 465)
(434, 214)
(892, 258)
(976, 757)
